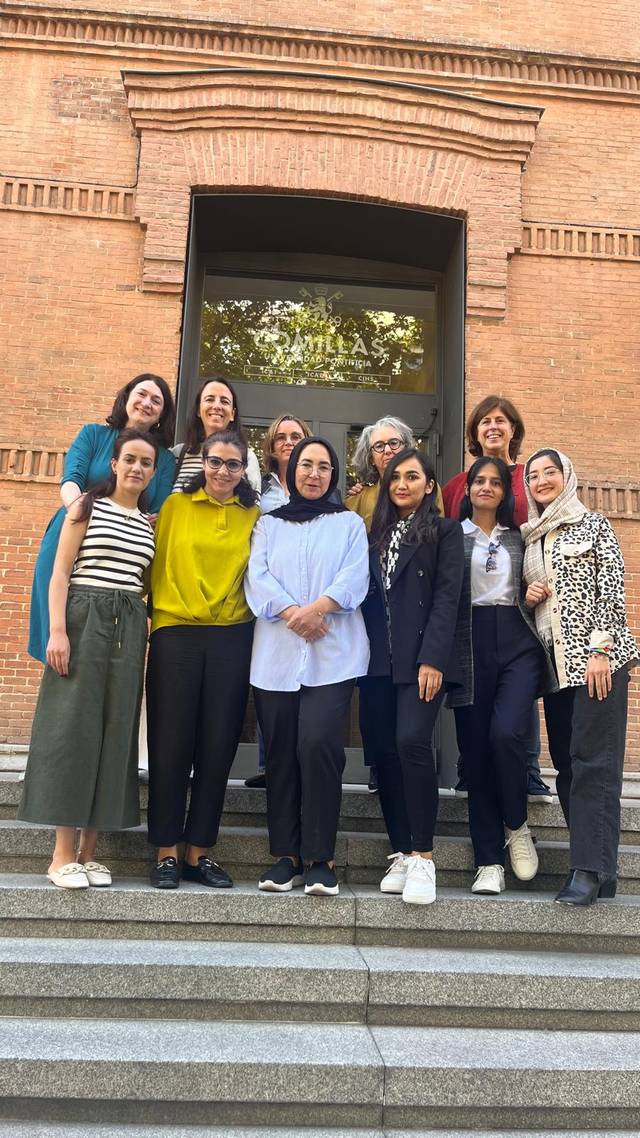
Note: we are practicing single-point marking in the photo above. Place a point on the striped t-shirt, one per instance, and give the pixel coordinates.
(116, 549)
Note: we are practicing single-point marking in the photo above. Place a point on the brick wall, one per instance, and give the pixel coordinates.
(82, 308)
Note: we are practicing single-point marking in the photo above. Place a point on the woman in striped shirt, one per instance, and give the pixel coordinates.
(82, 768)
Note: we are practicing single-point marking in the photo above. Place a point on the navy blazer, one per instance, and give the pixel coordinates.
(423, 605)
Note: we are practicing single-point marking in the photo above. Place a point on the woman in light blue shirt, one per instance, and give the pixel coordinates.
(308, 574)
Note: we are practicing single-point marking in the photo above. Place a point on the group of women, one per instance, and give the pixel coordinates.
(517, 593)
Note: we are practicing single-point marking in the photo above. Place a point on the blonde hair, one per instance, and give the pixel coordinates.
(267, 446)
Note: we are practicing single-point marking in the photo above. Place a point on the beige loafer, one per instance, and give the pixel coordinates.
(70, 876)
(97, 874)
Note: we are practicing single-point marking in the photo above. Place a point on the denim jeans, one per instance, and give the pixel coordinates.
(586, 743)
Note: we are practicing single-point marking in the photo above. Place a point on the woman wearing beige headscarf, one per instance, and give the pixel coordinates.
(575, 575)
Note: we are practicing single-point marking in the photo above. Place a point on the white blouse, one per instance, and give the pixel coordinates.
(493, 586)
(294, 563)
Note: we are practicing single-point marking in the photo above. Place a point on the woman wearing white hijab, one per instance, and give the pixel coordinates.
(575, 575)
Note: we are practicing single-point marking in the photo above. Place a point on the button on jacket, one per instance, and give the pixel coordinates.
(294, 563)
(423, 604)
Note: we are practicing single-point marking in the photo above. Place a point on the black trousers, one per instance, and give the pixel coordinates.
(494, 731)
(197, 688)
(586, 743)
(304, 734)
(396, 728)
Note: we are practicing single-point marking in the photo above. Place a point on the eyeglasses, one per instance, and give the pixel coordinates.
(233, 465)
(308, 467)
(392, 444)
(492, 563)
(546, 476)
(294, 437)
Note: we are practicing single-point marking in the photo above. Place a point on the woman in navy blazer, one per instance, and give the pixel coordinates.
(416, 565)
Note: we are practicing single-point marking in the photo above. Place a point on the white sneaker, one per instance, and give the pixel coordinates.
(420, 886)
(395, 878)
(524, 859)
(488, 879)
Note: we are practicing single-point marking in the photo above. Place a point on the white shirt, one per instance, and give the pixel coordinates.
(496, 586)
(294, 563)
(274, 494)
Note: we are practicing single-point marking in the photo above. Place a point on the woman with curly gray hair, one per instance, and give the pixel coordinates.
(375, 448)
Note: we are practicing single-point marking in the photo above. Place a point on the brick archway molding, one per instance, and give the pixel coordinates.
(237, 128)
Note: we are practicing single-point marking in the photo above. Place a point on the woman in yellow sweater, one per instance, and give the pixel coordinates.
(198, 672)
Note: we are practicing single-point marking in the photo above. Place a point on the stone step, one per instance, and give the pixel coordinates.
(390, 1077)
(96, 1130)
(361, 857)
(360, 811)
(132, 909)
(332, 984)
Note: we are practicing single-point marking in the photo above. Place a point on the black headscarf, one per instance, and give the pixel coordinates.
(300, 509)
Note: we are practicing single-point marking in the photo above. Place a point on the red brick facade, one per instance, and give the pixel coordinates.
(525, 124)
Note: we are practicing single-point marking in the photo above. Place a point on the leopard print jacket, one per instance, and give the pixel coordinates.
(585, 570)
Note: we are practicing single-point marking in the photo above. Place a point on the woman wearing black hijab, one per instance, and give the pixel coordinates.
(308, 574)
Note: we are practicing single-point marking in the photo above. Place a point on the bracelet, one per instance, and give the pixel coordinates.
(599, 652)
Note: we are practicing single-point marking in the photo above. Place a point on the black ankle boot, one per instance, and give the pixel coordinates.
(583, 887)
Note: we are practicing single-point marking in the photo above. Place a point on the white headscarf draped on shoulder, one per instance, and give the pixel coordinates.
(566, 509)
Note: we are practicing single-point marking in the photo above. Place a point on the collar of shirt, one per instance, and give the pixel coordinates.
(202, 496)
(481, 537)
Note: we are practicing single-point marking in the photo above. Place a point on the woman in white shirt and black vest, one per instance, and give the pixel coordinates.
(505, 670)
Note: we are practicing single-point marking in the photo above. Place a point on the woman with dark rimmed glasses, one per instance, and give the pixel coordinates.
(198, 672)
(504, 666)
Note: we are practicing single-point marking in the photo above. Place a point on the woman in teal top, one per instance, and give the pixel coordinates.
(144, 403)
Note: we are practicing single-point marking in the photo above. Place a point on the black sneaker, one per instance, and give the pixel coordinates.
(281, 877)
(538, 791)
(207, 872)
(321, 880)
(373, 780)
(166, 874)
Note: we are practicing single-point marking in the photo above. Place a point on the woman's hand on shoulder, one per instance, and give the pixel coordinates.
(429, 682)
(598, 675)
(357, 488)
(537, 592)
(59, 653)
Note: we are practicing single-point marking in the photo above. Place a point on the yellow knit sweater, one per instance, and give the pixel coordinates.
(202, 550)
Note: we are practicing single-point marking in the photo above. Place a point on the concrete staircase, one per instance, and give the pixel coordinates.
(135, 1012)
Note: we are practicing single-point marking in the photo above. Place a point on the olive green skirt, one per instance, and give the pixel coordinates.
(83, 759)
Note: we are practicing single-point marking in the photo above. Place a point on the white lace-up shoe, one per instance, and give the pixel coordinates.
(395, 878)
(420, 886)
(524, 859)
(488, 879)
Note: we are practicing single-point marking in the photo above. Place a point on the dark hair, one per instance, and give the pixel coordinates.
(105, 488)
(194, 434)
(504, 513)
(482, 409)
(553, 455)
(246, 494)
(165, 427)
(423, 525)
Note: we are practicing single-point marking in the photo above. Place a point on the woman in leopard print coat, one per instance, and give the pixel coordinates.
(574, 570)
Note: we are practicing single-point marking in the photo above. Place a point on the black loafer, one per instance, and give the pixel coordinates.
(257, 781)
(583, 887)
(166, 874)
(206, 872)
